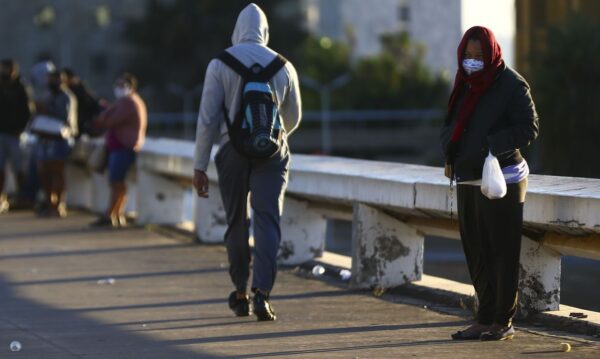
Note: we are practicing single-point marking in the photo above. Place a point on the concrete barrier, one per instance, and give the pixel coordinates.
(392, 207)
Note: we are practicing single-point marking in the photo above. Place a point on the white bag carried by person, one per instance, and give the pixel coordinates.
(493, 184)
(49, 126)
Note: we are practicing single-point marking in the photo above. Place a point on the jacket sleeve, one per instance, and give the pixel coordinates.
(24, 108)
(446, 133)
(291, 107)
(58, 107)
(524, 123)
(210, 115)
(72, 114)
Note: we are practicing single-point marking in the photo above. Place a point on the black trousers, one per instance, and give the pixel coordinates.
(490, 232)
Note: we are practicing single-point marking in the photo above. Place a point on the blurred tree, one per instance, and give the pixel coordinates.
(565, 85)
(176, 40)
(322, 60)
(395, 78)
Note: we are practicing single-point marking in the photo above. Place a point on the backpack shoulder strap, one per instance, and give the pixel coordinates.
(234, 64)
(273, 68)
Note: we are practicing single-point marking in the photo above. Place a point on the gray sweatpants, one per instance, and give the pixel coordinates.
(262, 184)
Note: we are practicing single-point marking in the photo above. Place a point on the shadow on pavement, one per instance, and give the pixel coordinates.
(94, 251)
(47, 332)
(349, 348)
(325, 331)
(332, 293)
(119, 277)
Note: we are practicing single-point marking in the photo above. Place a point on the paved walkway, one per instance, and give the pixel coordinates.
(168, 301)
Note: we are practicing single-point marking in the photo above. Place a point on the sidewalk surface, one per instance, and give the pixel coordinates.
(168, 300)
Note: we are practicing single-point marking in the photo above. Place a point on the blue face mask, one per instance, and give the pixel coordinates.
(472, 65)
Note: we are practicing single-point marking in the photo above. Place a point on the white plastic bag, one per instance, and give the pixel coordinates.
(493, 184)
(49, 126)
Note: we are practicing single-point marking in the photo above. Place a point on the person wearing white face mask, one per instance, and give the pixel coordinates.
(490, 111)
(125, 122)
(472, 65)
(122, 91)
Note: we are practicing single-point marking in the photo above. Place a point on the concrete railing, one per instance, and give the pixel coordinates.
(392, 207)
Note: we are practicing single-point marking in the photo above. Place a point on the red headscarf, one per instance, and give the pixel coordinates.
(479, 82)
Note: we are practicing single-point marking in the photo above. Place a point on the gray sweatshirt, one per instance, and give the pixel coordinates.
(223, 86)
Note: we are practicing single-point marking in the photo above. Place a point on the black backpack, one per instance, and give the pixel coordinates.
(256, 130)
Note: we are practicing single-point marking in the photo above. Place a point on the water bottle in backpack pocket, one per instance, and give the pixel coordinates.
(256, 130)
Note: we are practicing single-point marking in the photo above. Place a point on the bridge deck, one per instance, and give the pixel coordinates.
(168, 301)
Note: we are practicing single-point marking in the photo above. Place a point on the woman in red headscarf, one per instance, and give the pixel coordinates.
(490, 111)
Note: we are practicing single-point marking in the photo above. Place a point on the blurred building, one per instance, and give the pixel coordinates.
(535, 17)
(437, 24)
(88, 35)
(85, 35)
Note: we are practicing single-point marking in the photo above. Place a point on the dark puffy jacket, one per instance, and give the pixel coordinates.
(14, 108)
(61, 105)
(88, 107)
(504, 120)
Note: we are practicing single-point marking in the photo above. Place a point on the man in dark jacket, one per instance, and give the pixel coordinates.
(14, 115)
(88, 105)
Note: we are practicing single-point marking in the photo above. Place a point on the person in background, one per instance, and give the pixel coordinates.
(53, 149)
(38, 79)
(15, 111)
(243, 181)
(490, 110)
(125, 122)
(88, 105)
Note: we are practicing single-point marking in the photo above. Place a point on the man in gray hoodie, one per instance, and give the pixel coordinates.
(262, 180)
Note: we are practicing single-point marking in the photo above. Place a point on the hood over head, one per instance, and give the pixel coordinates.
(251, 26)
(478, 82)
